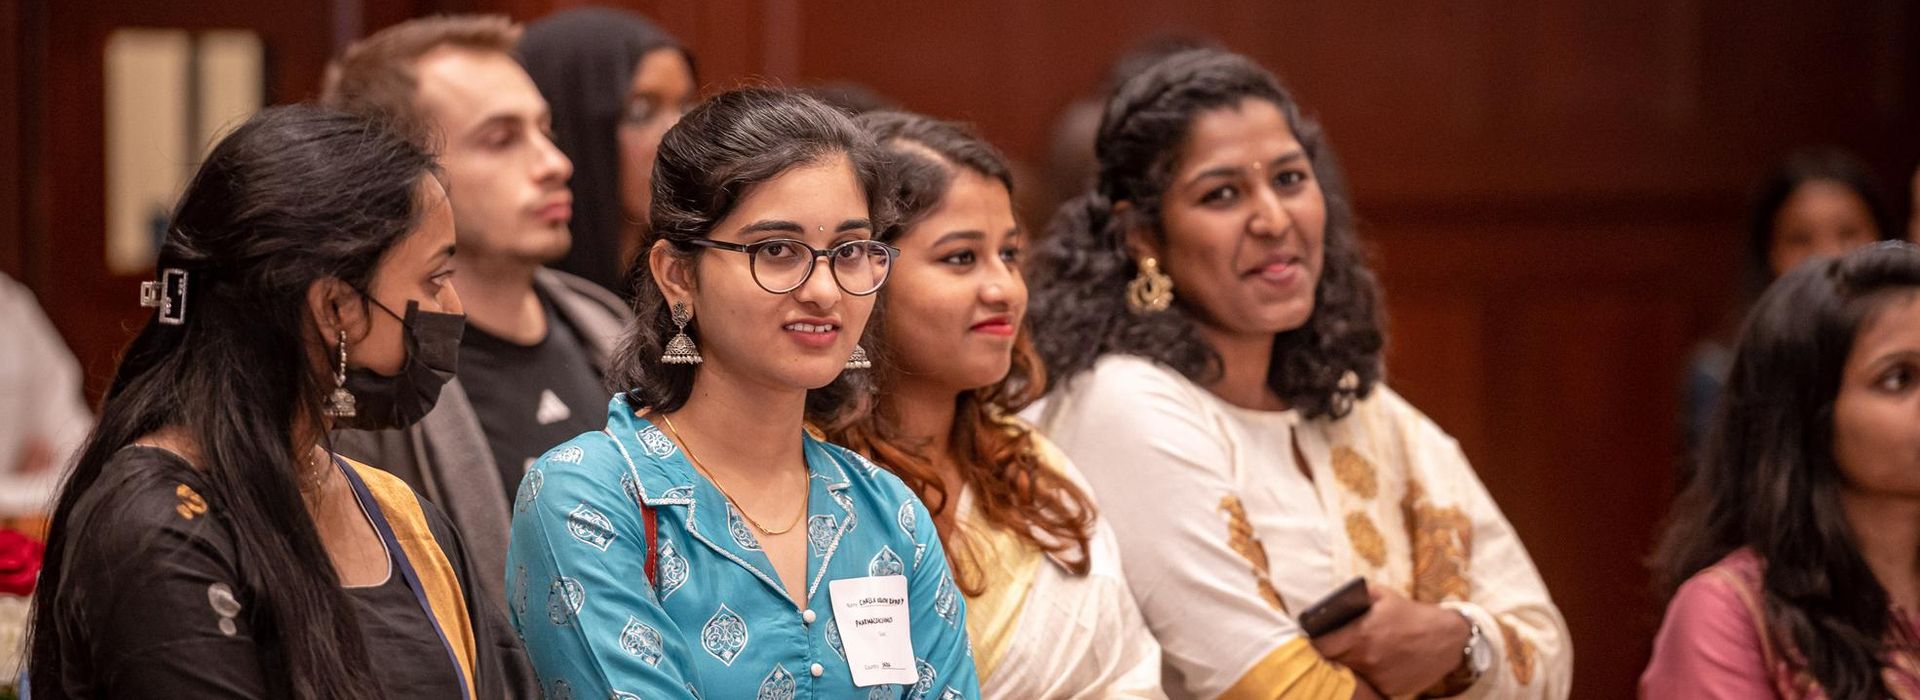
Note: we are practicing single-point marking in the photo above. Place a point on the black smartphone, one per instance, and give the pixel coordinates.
(1345, 604)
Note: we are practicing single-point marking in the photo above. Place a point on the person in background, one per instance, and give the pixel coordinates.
(537, 339)
(616, 83)
(851, 97)
(1214, 334)
(42, 417)
(208, 543)
(1816, 202)
(1790, 559)
(706, 543)
(1048, 609)
(1071, 166)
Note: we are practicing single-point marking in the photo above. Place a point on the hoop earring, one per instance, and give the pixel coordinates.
(858, 360)
(680, 349)
(341, 404)
(1151, 290)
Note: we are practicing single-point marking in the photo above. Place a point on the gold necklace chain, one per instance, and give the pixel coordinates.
(805, 494)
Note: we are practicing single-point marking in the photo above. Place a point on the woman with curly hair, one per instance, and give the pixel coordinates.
(1047, 606)
(1215, 338)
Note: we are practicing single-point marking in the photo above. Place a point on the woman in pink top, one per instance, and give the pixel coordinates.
(1796, 549)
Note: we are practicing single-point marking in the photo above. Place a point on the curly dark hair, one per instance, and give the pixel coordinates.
(707, 163)
(995, 456)
(1769, 481)
(1079, 305)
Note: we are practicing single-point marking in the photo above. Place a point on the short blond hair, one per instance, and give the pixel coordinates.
(375, 76)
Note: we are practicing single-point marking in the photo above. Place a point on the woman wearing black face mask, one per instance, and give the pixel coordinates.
(207, 542)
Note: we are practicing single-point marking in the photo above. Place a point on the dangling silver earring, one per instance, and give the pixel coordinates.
(859, 359)
(341, 404)
(680, 349)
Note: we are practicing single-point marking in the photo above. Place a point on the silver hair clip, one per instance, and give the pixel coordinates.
(169, 295)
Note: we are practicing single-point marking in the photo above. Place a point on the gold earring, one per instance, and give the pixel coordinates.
(1151, 290)
(680, 349)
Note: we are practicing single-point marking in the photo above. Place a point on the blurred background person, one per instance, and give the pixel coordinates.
(1070, 165)
(42, 417)
(1816, 202)
(1048, 609)
(850, 97)
(1792, 560)
(537, 339)
(615, 83)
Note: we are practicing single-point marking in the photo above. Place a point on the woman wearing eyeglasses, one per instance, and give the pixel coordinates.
(704, 544)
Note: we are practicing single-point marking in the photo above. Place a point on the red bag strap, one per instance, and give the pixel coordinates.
(653, 544)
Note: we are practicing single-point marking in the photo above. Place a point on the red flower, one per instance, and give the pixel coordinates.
(19, 562)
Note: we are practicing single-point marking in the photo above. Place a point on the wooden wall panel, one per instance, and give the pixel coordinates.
(94, 310)
(12, 158)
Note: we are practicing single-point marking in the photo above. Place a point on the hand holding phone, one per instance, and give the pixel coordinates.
(1344, 605)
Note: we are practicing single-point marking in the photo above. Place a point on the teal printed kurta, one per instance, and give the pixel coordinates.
(718, 624)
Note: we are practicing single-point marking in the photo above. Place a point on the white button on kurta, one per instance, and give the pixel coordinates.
(817, 670)
(807, 615)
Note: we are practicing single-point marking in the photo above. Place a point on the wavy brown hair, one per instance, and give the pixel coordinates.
(997, 457)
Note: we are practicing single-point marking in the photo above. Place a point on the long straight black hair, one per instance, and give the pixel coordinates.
(1769, 481)
(293, 196)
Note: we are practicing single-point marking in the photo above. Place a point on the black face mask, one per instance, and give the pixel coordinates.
(433, 355)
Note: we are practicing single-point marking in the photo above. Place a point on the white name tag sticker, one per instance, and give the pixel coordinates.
(871, 614)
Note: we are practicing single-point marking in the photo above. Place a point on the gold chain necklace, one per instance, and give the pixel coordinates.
(805, 495)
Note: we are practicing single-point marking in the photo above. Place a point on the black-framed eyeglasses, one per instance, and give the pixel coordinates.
(781, 265)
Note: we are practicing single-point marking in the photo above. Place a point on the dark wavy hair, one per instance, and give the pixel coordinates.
(294, 196)
(1079, 306)
(1769, 480)
(707, 163)
(1808, 165)
(995, 455)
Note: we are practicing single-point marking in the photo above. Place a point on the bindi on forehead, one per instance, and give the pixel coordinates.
(1249, 136)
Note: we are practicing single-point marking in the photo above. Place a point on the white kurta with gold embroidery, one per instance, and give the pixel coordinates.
(1226, 537)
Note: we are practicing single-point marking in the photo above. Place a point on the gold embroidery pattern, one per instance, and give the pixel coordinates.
(1241, 538)
(1442, 546)
(1519, 653)
(1366, 539)
(1355, 472)
(191, 504)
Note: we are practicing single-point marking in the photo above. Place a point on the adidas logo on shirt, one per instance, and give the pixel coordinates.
(552, 410)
